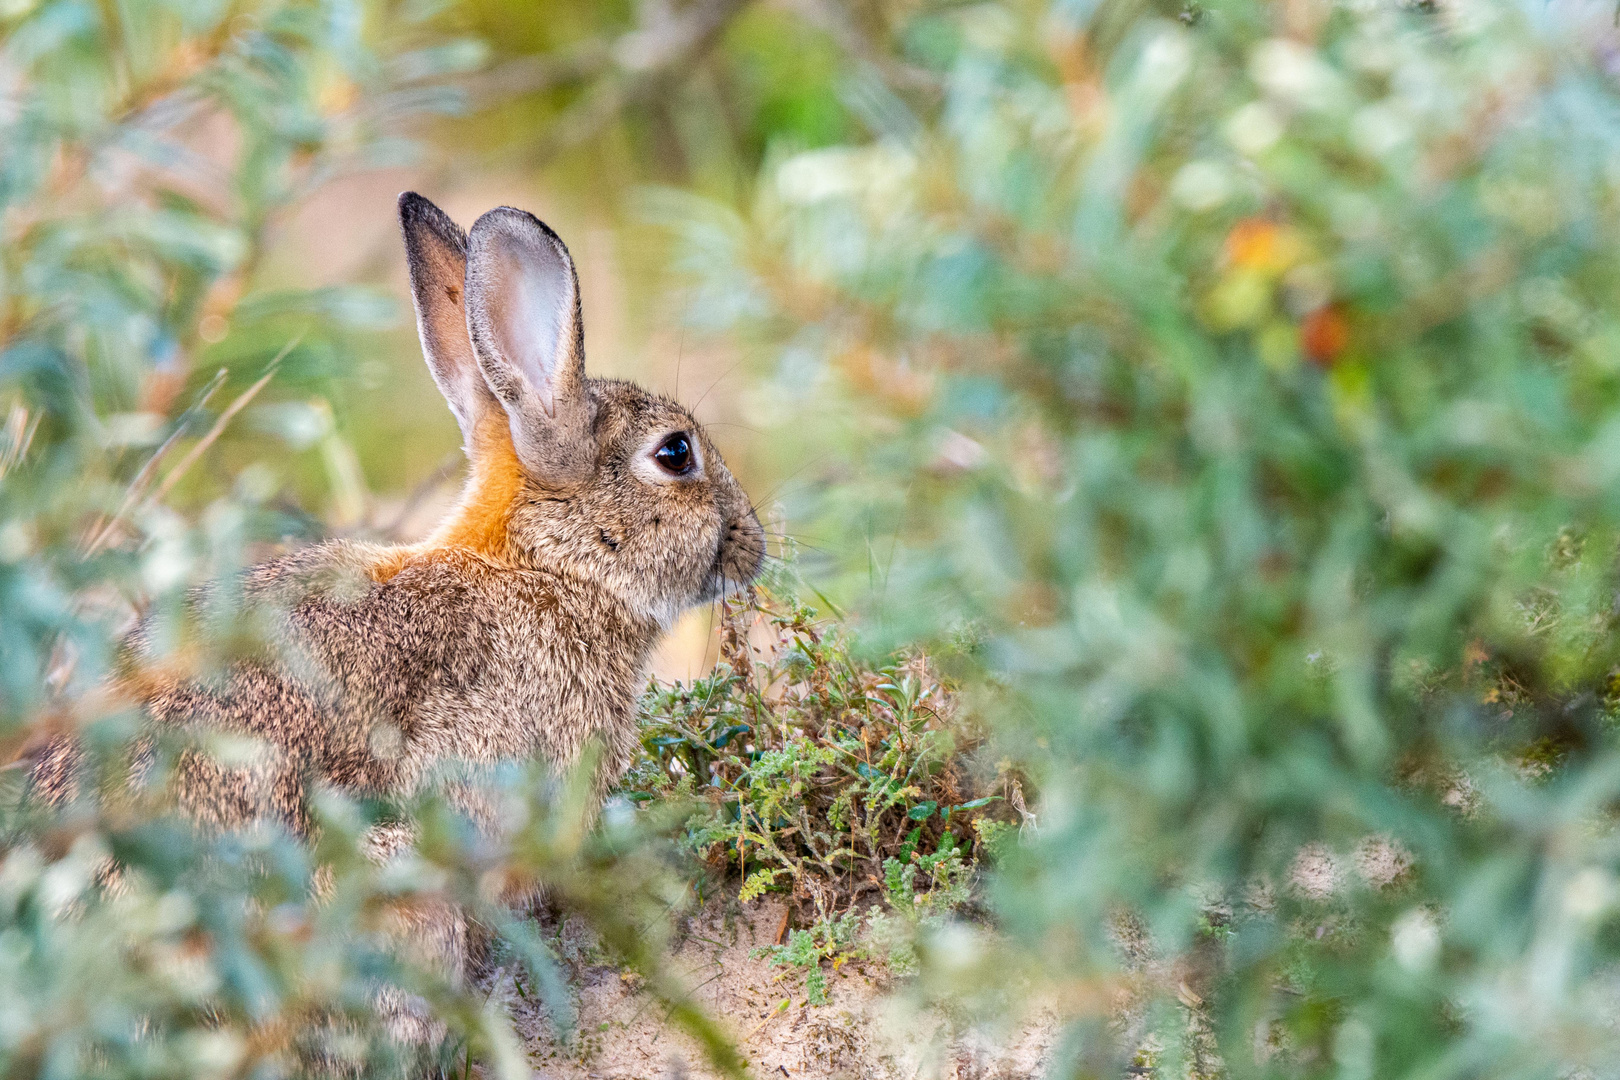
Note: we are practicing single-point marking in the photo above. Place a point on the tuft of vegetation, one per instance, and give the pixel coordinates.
(822, 777)
(833, 941)
(854, 790)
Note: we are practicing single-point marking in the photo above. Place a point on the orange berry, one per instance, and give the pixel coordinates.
(1324, 334)
(1252, 244)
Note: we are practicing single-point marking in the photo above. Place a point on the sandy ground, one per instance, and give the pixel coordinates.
(861, 1033)
(865, 1032)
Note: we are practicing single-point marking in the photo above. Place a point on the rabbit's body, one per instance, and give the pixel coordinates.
(521, 629)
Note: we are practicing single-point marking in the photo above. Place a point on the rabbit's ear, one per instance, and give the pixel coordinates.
(436, 250)
(524, 319)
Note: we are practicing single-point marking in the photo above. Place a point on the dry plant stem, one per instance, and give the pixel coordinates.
(447, 469)
(19, 433)
(537, 74)
(836, 19)
(781, 1008)
(187, 63)
(138, 486)
(220, 425)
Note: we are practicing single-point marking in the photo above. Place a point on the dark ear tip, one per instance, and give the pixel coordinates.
(415, 213)
(411, 205)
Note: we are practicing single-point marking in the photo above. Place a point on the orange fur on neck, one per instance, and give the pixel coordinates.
(479, 521)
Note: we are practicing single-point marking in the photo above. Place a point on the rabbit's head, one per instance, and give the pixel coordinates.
(595, 477)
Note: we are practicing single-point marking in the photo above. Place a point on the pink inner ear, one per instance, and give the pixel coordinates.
(530, 310)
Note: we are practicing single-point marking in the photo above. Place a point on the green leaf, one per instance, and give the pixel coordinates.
(757, 883)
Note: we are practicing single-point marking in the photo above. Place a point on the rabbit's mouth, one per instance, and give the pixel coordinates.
(736, 562)
(718, 584)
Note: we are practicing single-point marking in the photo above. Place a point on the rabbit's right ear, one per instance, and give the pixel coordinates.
(523, 315)
(436, 251)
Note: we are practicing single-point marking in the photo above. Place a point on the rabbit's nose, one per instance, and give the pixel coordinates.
(745, 544)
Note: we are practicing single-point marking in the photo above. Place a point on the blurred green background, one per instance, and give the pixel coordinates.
(1224, 395)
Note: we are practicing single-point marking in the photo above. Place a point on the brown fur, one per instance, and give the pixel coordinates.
(519, 630)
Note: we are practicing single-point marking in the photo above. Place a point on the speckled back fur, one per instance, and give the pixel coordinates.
(451, 658)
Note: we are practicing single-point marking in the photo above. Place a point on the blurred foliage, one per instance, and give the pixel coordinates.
(691, 93)
(1221, 396)
(251, 954)
(1243, 378)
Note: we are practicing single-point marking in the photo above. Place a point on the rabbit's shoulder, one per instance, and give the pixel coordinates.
(441, 614)
(430, 622)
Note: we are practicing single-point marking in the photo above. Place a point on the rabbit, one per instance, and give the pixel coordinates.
(594, 513)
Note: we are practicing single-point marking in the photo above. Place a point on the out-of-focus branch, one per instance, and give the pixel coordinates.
(667, 39)
(663, 49)
(835, 18)
(537, 74)
(193, 56)
(143, 479)
(197, 451)
(104, 531)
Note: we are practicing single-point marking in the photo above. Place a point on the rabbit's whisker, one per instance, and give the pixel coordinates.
(785, 481)
(693, 410)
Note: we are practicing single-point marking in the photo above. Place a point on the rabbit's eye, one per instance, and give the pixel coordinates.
(675, 456)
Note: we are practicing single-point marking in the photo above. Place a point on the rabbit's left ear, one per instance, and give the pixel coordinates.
(436, 251)
(524, 320)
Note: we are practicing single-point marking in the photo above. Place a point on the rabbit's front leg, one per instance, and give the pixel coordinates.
(425, 930)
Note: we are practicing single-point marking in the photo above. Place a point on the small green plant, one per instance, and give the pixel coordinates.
(920, 892)
(855, 790)
(820, 776)
(919, 885)
(831, 940)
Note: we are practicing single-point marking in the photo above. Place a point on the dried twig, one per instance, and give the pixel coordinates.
(839, 22)
(781, 1007)
(537, 74)
(143, 478)
(137, 487)
(224, 420)
(431, 483)
(19, 435)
